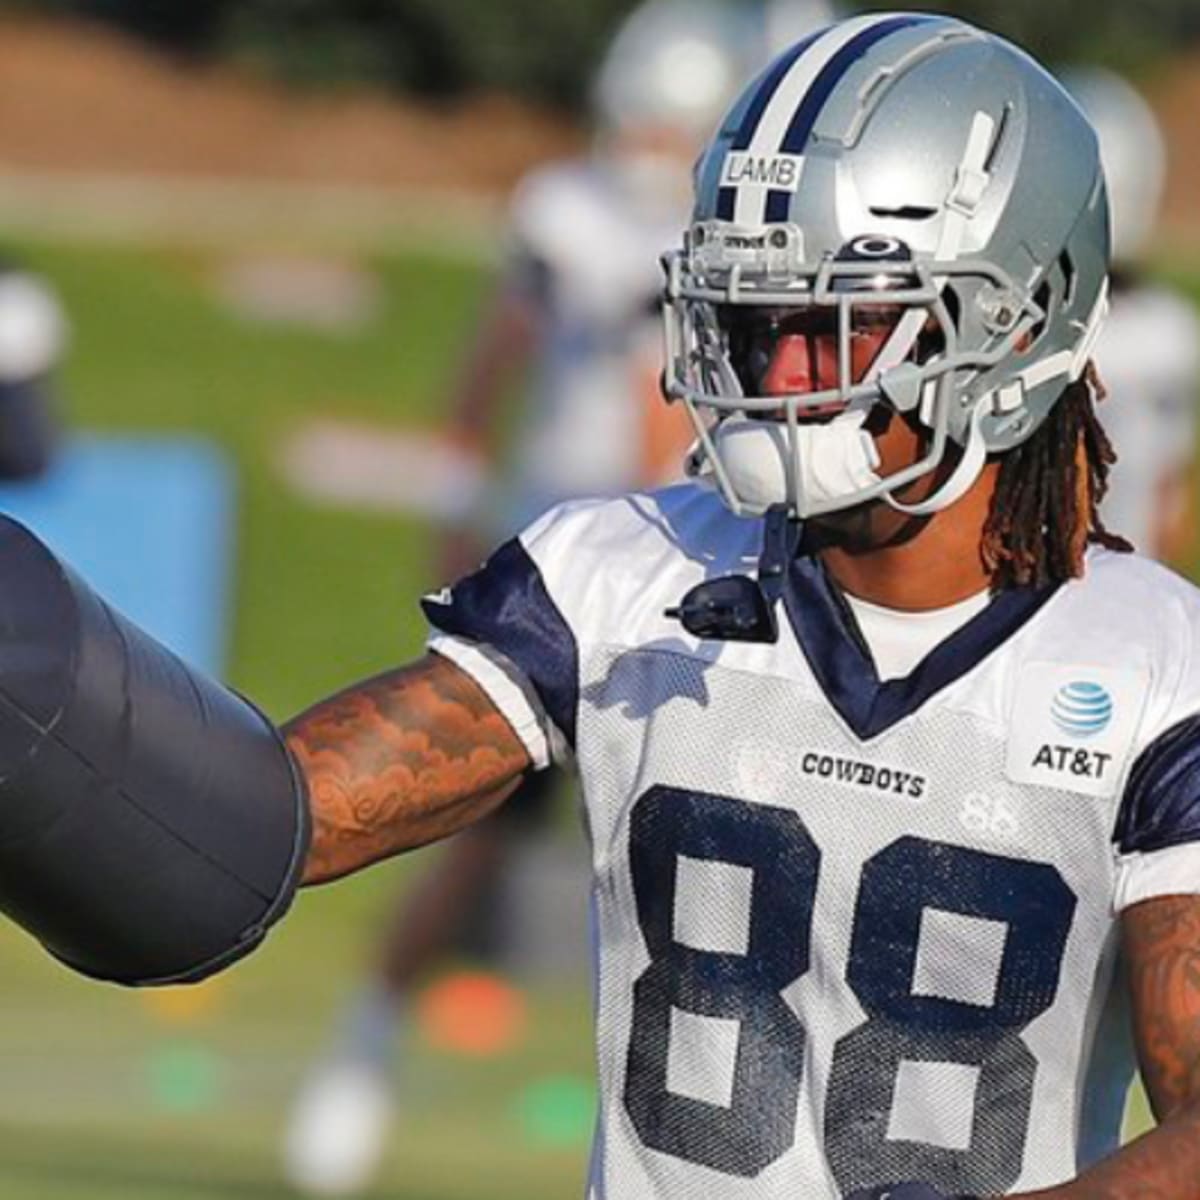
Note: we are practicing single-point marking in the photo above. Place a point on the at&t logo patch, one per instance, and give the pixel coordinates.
(1073, 724)
(1082, 709)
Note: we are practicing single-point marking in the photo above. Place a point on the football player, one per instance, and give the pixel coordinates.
(1149, 352)
(889, 749)
(576, 310)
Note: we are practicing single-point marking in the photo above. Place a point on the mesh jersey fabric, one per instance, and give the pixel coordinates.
(828, 960)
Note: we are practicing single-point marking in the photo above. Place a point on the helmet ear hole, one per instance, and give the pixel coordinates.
(954, 306)
(1044, 299)
(1066, 264)
(932, 340)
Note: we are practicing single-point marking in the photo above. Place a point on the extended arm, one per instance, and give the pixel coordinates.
(1161, 940)
(397, 761)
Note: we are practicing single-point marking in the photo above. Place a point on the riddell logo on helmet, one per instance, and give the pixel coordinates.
(778, 171)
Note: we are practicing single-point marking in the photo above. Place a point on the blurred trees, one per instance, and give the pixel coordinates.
(542, 49)
(435, 47)
(188, 27)
(1126, 34)
(547, 49)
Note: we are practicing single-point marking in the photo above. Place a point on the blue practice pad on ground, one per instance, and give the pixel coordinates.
(149, 523)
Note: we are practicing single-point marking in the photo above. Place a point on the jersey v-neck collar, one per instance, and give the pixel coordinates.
(845, 670)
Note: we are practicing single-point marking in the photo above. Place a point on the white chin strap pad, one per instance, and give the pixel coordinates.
(974, 455)
(833, 462)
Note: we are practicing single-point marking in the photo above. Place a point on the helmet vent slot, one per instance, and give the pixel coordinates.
(906, 212)
(1001, 129)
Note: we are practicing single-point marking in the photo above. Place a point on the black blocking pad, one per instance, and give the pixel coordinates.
(152, 823)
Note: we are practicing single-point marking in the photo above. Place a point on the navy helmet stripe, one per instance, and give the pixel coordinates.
(771, 81)
(831, 74)
(778, 204)
(809, 109)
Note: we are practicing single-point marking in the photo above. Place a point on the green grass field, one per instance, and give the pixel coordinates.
(101, 1095)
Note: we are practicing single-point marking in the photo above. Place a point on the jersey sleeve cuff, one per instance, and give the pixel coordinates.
(1174, 871)
(509, 691)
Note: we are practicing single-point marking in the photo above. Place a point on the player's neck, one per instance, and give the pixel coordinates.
(937, 565)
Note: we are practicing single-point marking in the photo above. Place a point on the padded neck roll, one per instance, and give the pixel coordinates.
(152, 823)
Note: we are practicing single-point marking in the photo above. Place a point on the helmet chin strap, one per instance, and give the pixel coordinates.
(963, 476)
(739, 608)
(830, 461)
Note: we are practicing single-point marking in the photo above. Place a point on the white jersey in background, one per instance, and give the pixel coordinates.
(1148, 357)
(587, 248)
(848, 930)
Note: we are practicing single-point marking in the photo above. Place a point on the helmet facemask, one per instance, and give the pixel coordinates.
(762, 450)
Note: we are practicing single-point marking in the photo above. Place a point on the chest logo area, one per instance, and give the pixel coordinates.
(1072, 726)
(772, 774)
(873, 777)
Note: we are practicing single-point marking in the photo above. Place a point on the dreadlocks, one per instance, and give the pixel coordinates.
(1045, 509)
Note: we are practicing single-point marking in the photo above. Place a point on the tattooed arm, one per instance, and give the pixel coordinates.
(402, 759)
(1161, 943)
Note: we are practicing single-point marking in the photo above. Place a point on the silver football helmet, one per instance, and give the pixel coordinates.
(676, 63)
(908, 162)
(33, 328)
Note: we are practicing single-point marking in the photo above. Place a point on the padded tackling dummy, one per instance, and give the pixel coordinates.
(152, 823)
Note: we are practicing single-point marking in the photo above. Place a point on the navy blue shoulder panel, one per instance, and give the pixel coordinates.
(1161, 805)
(505, 605)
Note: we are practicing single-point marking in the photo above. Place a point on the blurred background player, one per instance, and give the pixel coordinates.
(1149, 350)
(576, 311)
(575, 319)
(33, 336)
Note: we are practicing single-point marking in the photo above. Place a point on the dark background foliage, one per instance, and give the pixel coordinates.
(545, 50)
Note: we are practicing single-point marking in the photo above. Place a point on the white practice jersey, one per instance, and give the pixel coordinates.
(848, 932)
(588, 252)
(1148, 356)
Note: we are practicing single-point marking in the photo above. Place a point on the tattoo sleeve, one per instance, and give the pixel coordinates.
(1161, 943)
(399, 760)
